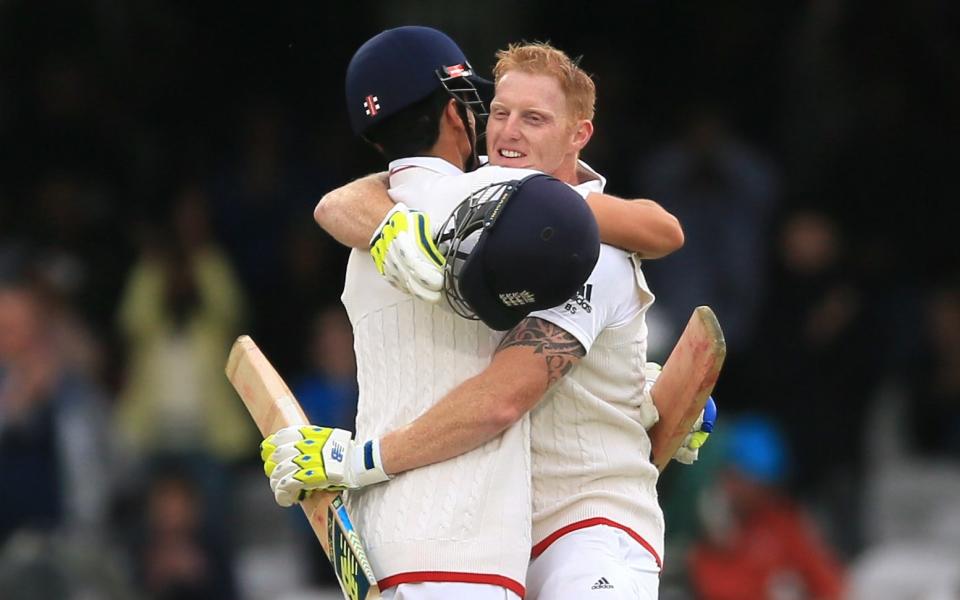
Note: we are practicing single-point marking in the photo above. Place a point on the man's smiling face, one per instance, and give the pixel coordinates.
(529, 124)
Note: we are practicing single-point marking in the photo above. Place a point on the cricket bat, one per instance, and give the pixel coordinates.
(272, 406)
(685, 382)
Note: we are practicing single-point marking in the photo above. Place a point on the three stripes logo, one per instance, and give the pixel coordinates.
(602, 584)
(580, 300)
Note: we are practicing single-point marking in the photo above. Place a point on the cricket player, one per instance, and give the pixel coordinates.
(460, 528)
(517, 378)
(594, 486)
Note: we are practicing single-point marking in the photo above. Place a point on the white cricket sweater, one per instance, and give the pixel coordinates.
(466, 519)
(590, 455)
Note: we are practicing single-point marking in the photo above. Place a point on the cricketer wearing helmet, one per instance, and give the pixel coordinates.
(506, 388)
(459, 528)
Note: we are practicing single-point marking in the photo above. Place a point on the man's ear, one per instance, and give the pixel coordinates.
(582, 133)
(452, 115)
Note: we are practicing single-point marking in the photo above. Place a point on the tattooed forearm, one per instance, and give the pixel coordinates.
(560, 350)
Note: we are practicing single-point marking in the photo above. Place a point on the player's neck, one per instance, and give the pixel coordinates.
(450, 146)
(567, 172)
(451, 156)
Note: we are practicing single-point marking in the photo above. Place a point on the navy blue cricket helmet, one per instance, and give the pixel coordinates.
(401, 66)
(516, 247)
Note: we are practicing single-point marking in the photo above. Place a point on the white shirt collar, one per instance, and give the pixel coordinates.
(431, 163)
(596, 180)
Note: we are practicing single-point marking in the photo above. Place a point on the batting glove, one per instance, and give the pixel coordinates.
(299, 460)
(405, 254)
(689, 450)
(647, 413)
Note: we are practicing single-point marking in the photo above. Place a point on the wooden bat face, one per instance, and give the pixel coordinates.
(686, 381)
(272, 406)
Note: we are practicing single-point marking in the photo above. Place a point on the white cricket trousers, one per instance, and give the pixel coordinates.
(447, 591)
(596, 562)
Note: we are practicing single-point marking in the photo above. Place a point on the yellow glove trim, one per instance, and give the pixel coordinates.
(698, 439)
(378, 249)
(425, 240)
(267, 447)
(399, 223)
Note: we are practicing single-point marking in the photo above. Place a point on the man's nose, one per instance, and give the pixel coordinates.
(512, 127)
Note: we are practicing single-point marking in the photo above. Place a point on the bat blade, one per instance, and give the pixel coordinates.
(272, 406)
(687, 379)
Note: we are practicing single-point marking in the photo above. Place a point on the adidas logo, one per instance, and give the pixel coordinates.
(602, 584)
(580, 300)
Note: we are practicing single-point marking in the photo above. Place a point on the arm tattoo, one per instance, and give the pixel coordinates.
(560, 350)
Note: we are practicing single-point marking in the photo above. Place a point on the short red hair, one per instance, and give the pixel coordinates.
(540, 58)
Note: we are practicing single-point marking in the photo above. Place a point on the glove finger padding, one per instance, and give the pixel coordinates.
(422, 291)
(285, 469)
(686, 456)
(314, 461)
(283, 437)
(689, 450)
(267, 448)
(301, 459)
(422, 257)
(405, 254)
(651, 372)
(648, 415)
(418, 272)
(290, 443)
(423, 284)
(289, 491)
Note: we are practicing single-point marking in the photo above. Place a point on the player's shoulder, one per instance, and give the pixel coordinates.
(610, 285)
(614, 266)
(462, 185)
(613, 287)
(488, 174)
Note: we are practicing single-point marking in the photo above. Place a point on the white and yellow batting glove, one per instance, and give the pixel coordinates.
(299, 460)
(689, 450)
(647, 413)
(405, 254)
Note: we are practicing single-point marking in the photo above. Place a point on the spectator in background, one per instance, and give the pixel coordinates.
(328, 391)
(933, 378)
(54, 459)
(180, 312)
(758, 542)
(311, 260)
(819, 352)
(724, 192)
(177, 556)
(815, 349)
(258, 193)
(68, 218)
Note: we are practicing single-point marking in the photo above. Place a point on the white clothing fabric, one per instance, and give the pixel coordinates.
(589, 451)
(447, 591)
(467, 518)
(597, 562)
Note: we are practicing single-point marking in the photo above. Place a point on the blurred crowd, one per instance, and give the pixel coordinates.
(159, 162)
